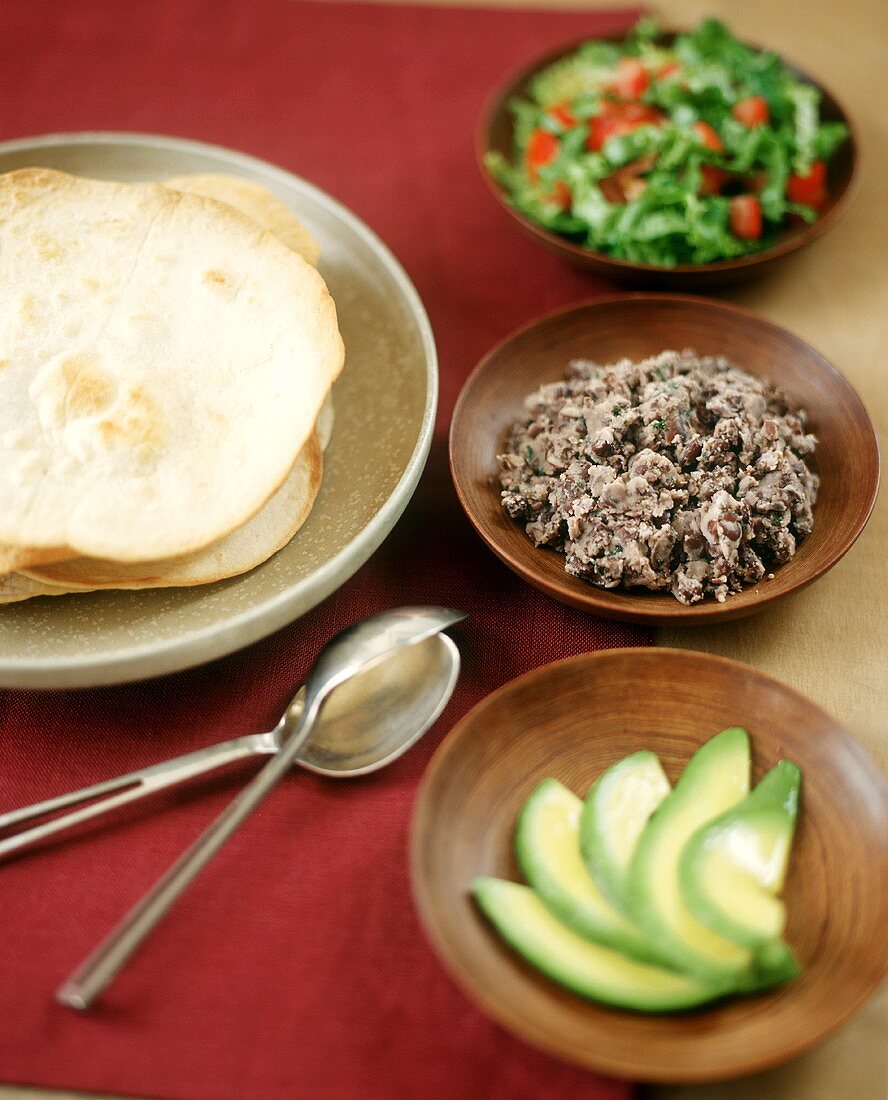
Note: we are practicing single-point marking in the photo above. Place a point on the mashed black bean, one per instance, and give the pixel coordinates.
(681, 473)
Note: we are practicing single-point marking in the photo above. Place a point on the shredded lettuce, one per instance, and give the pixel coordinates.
(805, 100)
(569, 78)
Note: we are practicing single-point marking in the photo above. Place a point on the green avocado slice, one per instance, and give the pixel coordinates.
(579, 965)
(614, 815)
(548, 851)
(715, 779)
(732, 869)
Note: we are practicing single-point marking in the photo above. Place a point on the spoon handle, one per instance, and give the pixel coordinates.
(124, 789)
(88, 981)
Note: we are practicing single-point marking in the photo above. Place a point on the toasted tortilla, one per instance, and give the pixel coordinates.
(13, 558)
(257, 203)
(16, 587)
(165, 362)
(268, 211)
(242, 550)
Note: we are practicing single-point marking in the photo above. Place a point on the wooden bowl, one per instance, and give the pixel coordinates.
(571, 720)
(495, 134)
(639, 325)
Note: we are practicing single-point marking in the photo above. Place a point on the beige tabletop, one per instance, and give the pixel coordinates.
(830, 641)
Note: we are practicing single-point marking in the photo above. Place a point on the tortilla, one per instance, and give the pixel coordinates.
(266, 209)
(258, 204)
(13, 558)
(16, 587)
(164, 362)
(266, 533)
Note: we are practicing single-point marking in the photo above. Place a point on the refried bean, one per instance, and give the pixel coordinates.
(681, 473)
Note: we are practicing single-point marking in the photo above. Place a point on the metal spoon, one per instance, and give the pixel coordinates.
(369, 721)
(356, 650)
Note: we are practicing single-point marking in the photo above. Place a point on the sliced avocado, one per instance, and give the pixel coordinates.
(581, 966)
(732, 869)
(548, 850)
(715, 779)
(614, 814)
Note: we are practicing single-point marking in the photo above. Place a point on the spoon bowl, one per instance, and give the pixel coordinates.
(378, 713)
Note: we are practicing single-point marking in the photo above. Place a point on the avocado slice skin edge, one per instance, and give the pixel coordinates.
(715, 779)
(737, 862)
(577, 964)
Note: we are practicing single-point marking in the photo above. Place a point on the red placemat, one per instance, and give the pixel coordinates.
(295, 967)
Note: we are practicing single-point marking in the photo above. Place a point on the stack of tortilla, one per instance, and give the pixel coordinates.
(166, 358)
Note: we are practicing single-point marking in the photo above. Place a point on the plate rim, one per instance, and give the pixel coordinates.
(436, 929)
(207, 643)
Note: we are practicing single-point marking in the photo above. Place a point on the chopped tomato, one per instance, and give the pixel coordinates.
(601, 128)
(633, 112)
(561, 195)
(811, 189)
(752, 111)
(619, 118)
(709, 137)
(542, 148)
(562, 115)
(669, 69)
(713, 179)
(746, 217)
(632, 78)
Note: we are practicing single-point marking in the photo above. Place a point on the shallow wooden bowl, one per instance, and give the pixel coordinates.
(495, 134)
(638, 325)
(571, 720)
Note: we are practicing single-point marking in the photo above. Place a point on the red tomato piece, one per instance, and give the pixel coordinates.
(561, 195)
(709, 137)
(713, 179)
(669, 69)
(636, 112)
(811, 189)
(746, 217)
(619, 118)
(752, 111)
(562, 115)
(632, 78)
(542, 148)
(601, 128)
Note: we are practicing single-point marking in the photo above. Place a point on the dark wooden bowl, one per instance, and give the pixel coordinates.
(495, 133)
(571, 720)
(639, 325)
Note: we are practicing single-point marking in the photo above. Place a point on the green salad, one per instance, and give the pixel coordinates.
(682, 154)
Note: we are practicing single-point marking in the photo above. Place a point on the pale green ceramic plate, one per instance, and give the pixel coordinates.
(385, 406)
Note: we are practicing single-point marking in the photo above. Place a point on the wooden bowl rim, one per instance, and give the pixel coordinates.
(496, 104)
(600, 600)
(421, 826)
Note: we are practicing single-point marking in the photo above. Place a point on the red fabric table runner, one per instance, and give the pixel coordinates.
(296, 966)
